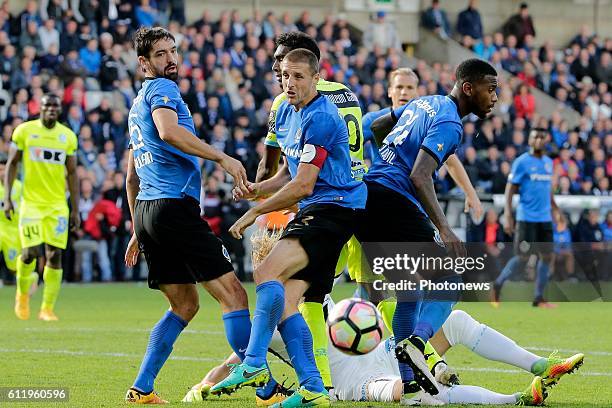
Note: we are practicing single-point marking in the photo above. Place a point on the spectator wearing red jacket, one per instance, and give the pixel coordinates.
(524, 102)
(101, 224)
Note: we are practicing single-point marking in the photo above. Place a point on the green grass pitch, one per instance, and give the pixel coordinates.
(96, 347)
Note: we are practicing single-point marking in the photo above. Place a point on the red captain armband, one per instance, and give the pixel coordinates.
(313, 154)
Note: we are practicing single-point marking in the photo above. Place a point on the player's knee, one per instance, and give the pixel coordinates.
(28, 255)
(54, 257)
(186, 310)
(236, 297)
(459, 327)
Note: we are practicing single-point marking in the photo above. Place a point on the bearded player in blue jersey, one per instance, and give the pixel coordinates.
(314, 139)
(402, 205)
(531, 178)
(163, 187)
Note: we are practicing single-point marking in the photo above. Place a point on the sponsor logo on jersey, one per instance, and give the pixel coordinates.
(423, 104)
(47, 155)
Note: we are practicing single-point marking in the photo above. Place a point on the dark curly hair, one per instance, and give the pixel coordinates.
(145, 37)
(298, 39)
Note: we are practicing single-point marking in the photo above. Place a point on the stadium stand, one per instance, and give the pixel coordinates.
(85, 55)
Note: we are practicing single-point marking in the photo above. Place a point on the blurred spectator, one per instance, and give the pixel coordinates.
(469, 22)
(381, 33)
(564, 255)
(434, 18)
(524, 103)
(520, 25)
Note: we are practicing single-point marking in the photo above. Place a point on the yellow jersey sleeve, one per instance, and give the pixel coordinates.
(73, 143)
(271, 136)
(19, 136)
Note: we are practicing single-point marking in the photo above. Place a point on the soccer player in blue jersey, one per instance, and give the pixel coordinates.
(531, 178)
(314, 139)
(402, 205)
(163, 187)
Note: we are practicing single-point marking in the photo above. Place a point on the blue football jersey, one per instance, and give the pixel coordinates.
(368, 136)
(164, 171)
(431, 123)
(533, 175)
(320, 124)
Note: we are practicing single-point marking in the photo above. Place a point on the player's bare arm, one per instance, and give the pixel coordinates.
(266, 187)
(554, 206)
(300, 187)
(132, 187)
(421, 178)
(268, 166)
(459, 175)
(73, 188)
(511, 190)
(382, 126)
(12, 164)
(166, 122)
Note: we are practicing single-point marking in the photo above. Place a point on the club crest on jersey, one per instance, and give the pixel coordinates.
(440, 146)
(548, 167)
(47, 155)
(62, 138)
(297, 136)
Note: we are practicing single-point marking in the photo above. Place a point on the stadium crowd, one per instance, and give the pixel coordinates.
(85, 55)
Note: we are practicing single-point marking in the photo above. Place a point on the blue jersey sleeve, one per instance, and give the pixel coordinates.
(366, 122)
(441, 140)
(517, 173)
(320, 131)
(164, 93)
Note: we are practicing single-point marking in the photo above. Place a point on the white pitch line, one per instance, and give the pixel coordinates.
(589, 352)
(220, 359)
(220, 333)
(99, 330)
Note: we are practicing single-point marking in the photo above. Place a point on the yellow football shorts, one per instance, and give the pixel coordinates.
(43, 224)
(10, 246)
(351, 257)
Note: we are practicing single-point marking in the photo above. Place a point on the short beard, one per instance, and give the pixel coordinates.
(173, 76)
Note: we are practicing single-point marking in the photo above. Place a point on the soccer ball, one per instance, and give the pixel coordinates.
(355, 326)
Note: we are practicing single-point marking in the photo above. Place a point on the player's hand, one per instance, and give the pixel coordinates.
(473, 202)
(445, 374)
(238, 173)
(243, 223)
(132, 252)
(452, 243)
(8, 209)
(238, 194)
(75, 221)
(509, 224)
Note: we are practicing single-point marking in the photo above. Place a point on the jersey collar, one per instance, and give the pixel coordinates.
(317, 96)
(456, 102)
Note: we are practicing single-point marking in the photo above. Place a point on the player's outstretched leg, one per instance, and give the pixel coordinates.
(313, 315)
(551, 369)
(254, 371)
(505, 274)
(542, 272)
(25, 279)
(533, 395)
(183, 300)
(52, 277)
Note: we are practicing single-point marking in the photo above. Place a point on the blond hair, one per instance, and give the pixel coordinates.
(402, 71)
